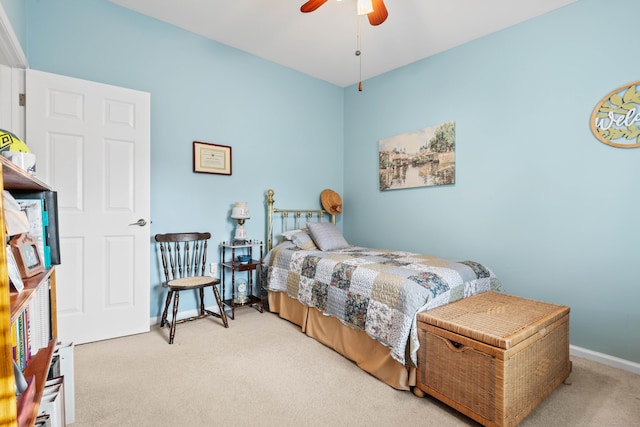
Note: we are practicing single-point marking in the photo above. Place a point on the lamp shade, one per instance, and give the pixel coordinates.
(240, 211)
(364, 7)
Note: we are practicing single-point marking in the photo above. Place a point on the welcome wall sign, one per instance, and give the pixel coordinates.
(616, 119)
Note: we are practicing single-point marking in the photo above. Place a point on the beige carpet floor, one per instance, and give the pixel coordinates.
(263, 371)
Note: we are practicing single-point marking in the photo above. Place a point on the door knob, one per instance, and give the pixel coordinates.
(141, 223)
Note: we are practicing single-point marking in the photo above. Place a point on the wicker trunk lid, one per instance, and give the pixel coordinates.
(495, 319)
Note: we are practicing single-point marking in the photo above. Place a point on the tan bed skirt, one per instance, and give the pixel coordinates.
(355, 345)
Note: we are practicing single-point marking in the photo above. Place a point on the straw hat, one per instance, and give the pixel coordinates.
(331, 202)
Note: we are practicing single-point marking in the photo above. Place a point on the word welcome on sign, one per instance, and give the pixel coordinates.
(616, 119)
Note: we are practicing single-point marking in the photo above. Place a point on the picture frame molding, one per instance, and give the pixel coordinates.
(212, 158)
(420, 158)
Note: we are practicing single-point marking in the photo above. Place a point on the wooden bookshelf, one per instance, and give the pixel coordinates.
(15, 178)
(11, 307)
(20, 301)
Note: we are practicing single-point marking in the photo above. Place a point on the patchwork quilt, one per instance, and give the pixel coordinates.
(377, 291)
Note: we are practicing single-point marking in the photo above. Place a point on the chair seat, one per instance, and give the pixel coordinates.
(191, 282)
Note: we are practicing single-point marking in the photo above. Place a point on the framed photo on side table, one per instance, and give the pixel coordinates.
(211, 158)
(25, 251)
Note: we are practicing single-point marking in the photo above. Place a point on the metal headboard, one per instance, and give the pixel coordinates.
(297, 215)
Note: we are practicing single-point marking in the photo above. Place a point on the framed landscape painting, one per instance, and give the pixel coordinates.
(422, 158)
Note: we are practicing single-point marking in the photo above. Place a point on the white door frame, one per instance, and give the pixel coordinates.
(13, 62)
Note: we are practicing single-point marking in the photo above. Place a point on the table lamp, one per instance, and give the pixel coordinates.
(240, 212)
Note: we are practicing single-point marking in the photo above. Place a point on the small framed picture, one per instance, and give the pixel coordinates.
(211, 158)
(14, 273)
(25, 251)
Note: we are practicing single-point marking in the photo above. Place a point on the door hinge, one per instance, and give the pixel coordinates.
(22, 99)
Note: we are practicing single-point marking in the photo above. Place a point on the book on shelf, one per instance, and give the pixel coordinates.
(32, 329)
(14, 272)
(38, 221)
(15, 219)
(54, 367)
(52, 385)
(39, 309)
(43, 420)
(21, 343)
(53, 231)
(44, 215)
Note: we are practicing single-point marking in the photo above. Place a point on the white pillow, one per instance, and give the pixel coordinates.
(327, 236)
(288, 235)
(301, 239)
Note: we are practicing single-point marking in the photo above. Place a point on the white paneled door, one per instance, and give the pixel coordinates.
(92, 143)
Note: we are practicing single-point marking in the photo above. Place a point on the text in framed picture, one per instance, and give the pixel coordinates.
(211, 158)
(25, 251)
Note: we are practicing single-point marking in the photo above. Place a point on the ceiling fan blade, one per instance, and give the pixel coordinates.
(379, 14)
(311, 5)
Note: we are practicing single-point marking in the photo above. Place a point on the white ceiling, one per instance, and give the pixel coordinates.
(322, 44)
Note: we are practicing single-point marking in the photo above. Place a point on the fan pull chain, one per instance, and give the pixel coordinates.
(359, 51)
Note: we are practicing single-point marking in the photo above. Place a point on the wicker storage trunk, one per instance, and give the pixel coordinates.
(493, 357)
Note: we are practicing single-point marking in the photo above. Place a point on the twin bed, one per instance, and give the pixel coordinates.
(361, 302)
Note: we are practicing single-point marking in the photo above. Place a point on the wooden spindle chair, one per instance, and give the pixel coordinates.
(184, 259)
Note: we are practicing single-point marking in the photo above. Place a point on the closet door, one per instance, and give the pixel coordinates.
(92, 143)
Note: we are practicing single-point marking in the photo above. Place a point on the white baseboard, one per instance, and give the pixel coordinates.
(605, 359)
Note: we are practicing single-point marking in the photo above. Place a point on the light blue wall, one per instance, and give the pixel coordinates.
(285, 128)
(537, 197)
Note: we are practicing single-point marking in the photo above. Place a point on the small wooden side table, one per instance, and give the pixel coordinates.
(229, 256)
